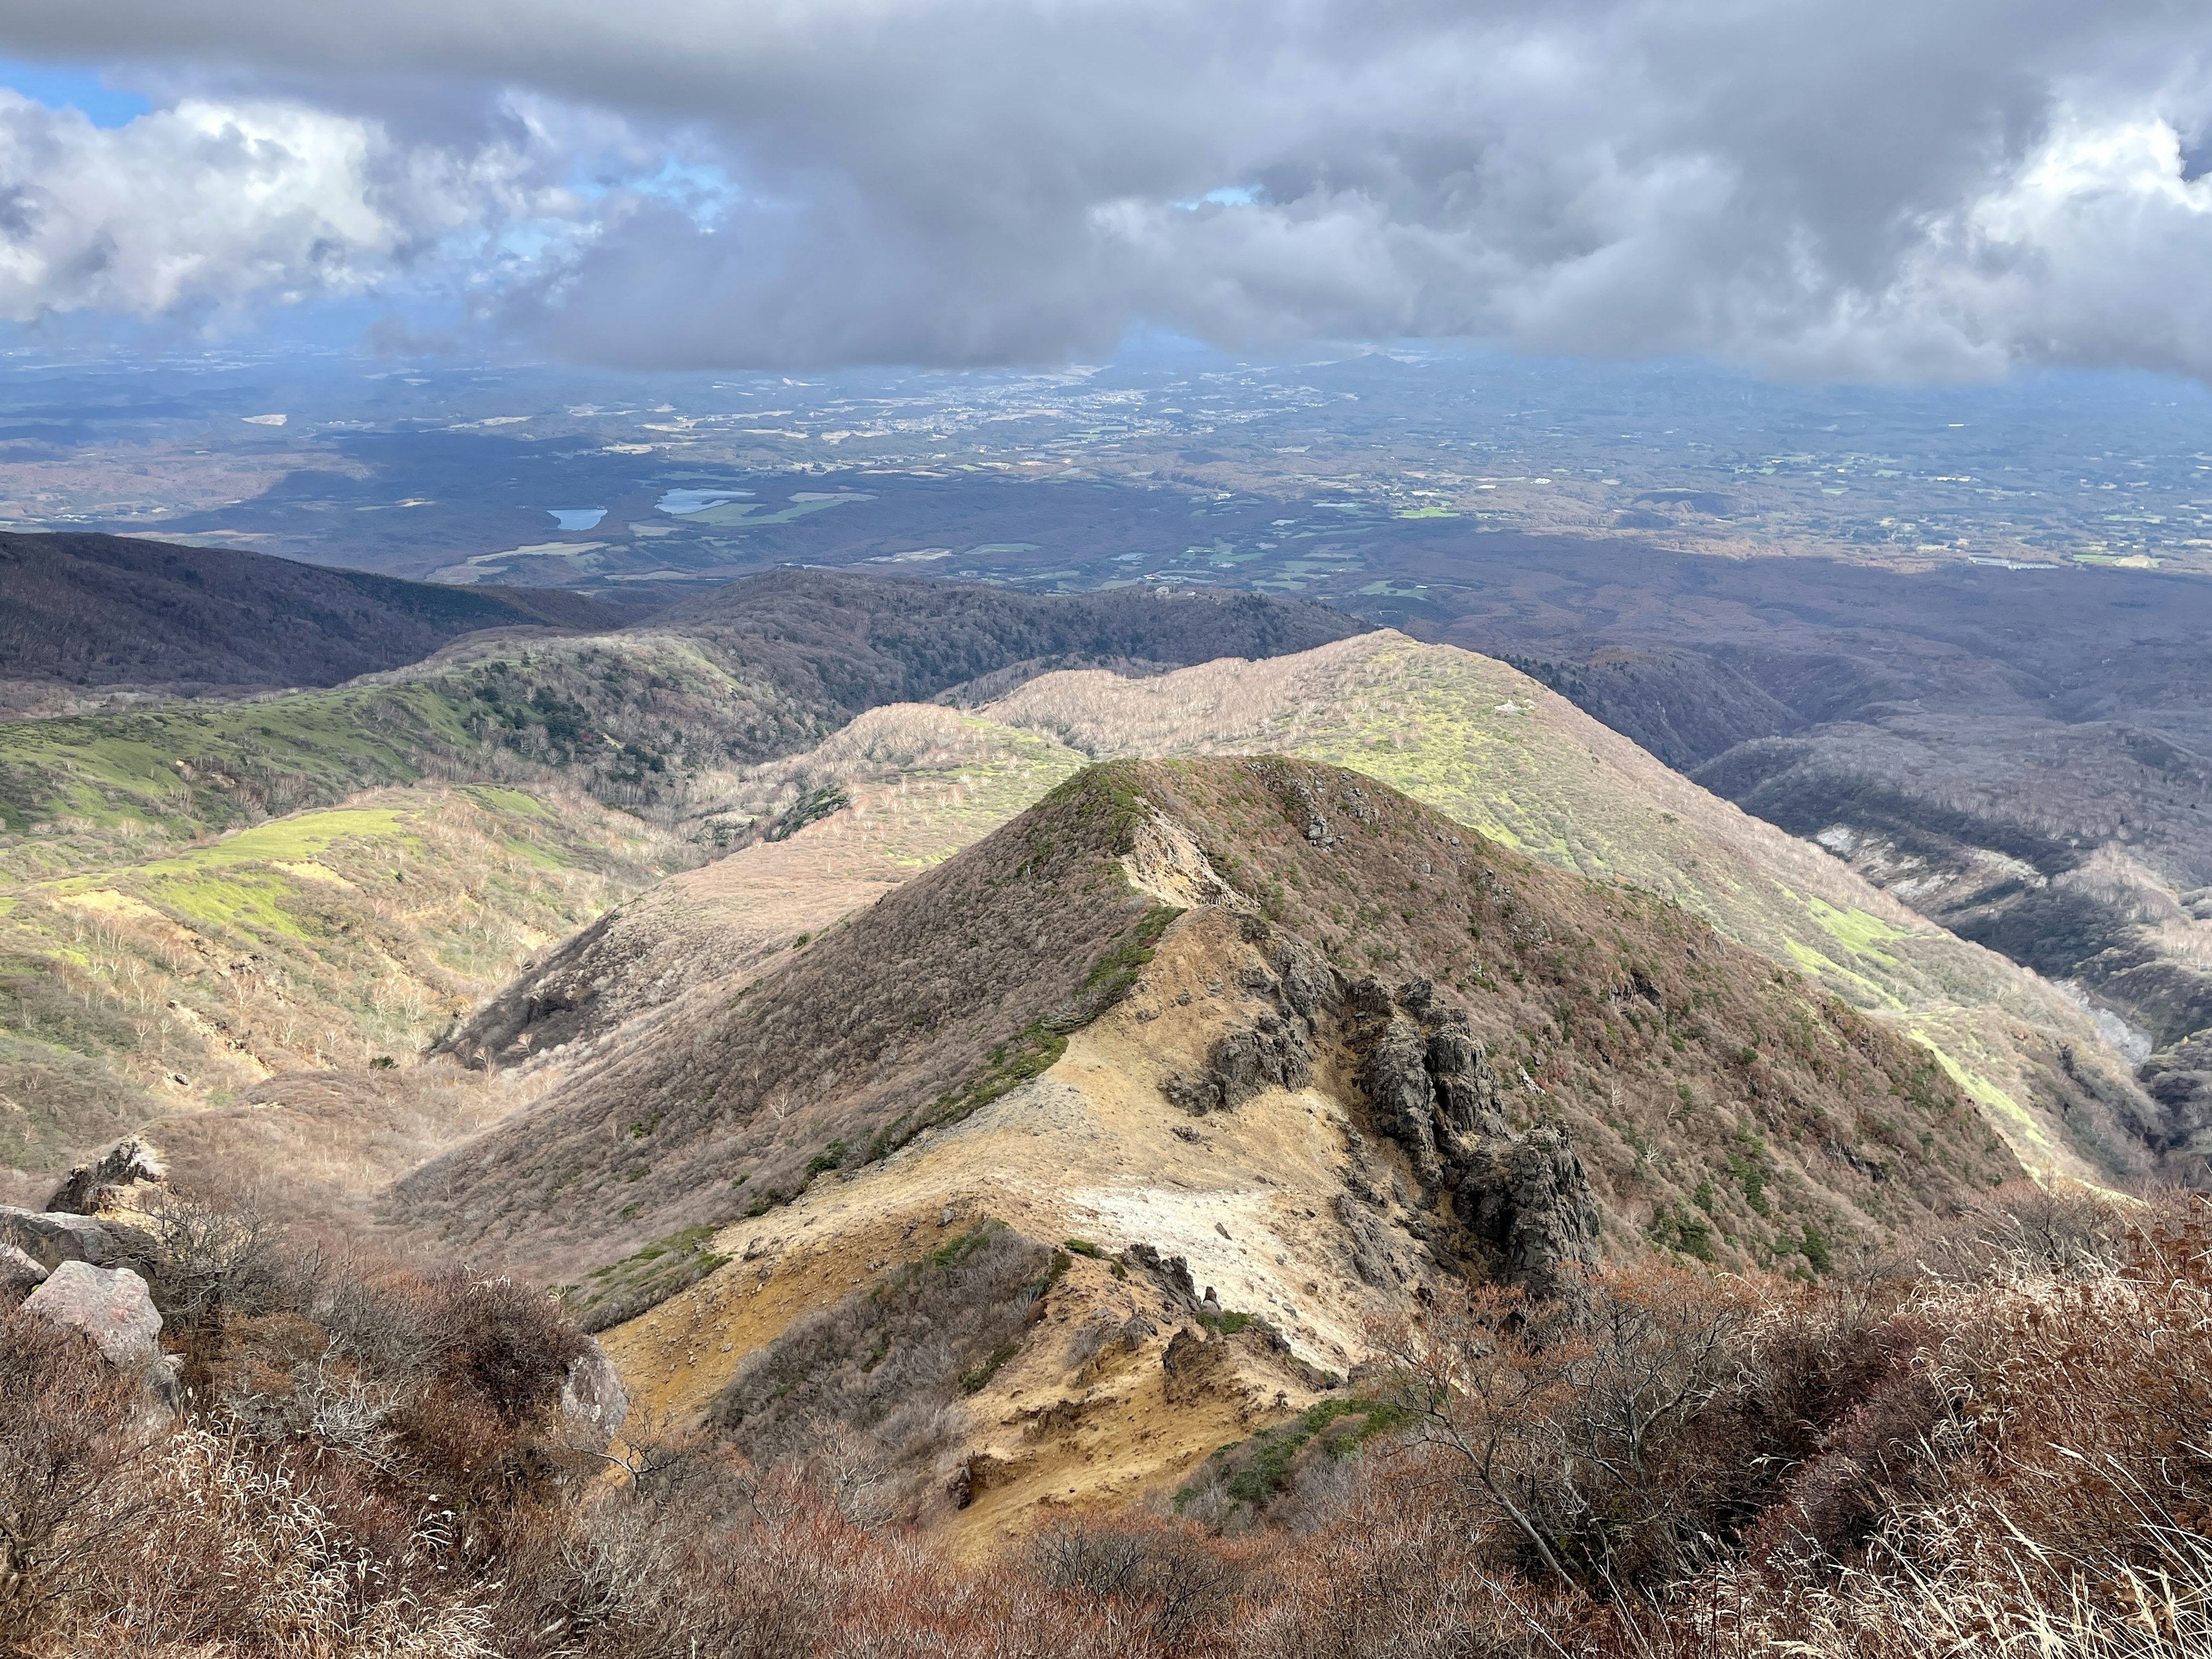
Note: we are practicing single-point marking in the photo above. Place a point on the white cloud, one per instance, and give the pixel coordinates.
(209, 205)
(1879, 188)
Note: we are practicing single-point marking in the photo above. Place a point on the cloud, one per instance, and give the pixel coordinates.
(207, 206)
(1880, 189)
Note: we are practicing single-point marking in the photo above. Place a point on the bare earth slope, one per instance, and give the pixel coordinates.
(1370, 1050)
(905, 1017)
(900, 789)
(1467, 735)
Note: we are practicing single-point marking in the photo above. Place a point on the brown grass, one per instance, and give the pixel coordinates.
(2007, 1464)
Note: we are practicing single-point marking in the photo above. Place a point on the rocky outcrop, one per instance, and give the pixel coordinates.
(1275, 1050)
(1170, 1272)
(1524, 1202)
(129, 1166)
(1428, 1081)
(1527, 1199)
(1372, 1261)
(593, 1401)
(1195, 1367)
(109, 1304)
(1269, 1053)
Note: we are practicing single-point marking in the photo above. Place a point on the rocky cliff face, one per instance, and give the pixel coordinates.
(1519, 1206)
(1522, 1202)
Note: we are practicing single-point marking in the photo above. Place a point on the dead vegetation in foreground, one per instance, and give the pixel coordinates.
(1998, 1448)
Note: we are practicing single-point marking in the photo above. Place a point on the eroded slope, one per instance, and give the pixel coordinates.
(1373, 1049)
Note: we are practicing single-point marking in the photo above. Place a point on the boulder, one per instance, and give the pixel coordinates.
(19, 1275)
(109, 1304)
(52, 1237)
(593, 1397)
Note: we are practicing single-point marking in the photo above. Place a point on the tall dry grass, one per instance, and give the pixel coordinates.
(2007, 1456)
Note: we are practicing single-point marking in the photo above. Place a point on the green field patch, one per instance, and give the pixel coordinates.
(515, 803)
(540, 858)
(2018, 1120)
(194, 766)
(1859, 931)
(242, 904)
(1830, 971)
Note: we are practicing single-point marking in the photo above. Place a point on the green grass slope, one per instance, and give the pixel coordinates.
(528, 781)
(139, 975)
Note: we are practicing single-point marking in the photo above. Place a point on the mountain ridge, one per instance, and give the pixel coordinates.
(91, 615)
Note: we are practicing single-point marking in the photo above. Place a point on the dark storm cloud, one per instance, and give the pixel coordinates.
(1871, 189)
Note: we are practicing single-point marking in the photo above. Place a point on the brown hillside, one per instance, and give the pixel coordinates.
(946, 987)
(1718, 1104)
(90, 612)
(834, 641)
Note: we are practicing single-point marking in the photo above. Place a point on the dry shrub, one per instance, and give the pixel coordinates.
(1156, 1576)
(1574, 1422)
(869, 1389)
(69, 1424)
(244, 1560)
(1407, 1569)
(1675, 1466)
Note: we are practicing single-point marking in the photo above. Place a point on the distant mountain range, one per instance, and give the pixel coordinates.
(86, 614)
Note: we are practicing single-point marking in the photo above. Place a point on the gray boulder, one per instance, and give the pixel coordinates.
(109, 1304)
(52, 1237)
(593, 1397)
(19, 1275)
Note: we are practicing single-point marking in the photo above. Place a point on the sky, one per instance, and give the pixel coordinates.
(1879, 191)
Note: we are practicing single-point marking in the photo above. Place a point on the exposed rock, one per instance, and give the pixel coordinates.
(593, 1397)
(130, 1165)
(1395, 1073)
(1276, 1050)
(1304, 984)
(1430, 1083)
(109, 1304)
(1371, 1257)
(1469, 1104)
(1524, 1199)
(19, 1275)
(55, 1236)
(1270, 1054)
(1171, 1273)
(1528, 1199)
